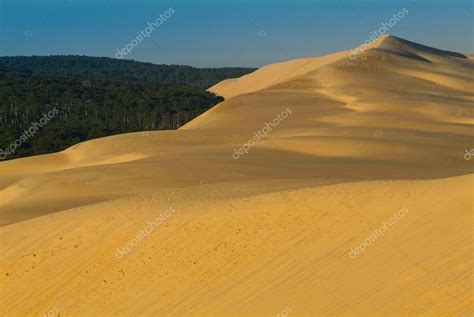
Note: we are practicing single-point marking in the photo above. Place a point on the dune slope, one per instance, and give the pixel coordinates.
(253, 255)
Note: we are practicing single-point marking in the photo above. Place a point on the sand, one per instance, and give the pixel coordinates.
(276, 230)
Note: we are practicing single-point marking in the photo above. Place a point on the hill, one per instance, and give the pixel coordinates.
(111, 69)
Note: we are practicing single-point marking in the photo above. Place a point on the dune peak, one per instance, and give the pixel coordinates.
(402, 46)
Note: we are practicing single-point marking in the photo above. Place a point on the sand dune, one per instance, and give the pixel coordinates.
(362, 140)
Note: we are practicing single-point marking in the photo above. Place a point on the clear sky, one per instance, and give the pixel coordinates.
(227, 32)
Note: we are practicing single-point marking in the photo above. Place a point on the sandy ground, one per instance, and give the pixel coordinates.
(179, 223)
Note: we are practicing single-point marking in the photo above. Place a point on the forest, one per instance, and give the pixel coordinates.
(95, 97)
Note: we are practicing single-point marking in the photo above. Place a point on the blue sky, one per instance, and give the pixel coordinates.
(212, 33)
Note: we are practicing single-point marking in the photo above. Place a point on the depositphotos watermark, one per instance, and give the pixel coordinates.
(11, 149)
(378, 233)
(144, 232)
(269, 126)
(285, 312)
(380, 32)
(152, 26)
(468, 154)
(53, 312)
